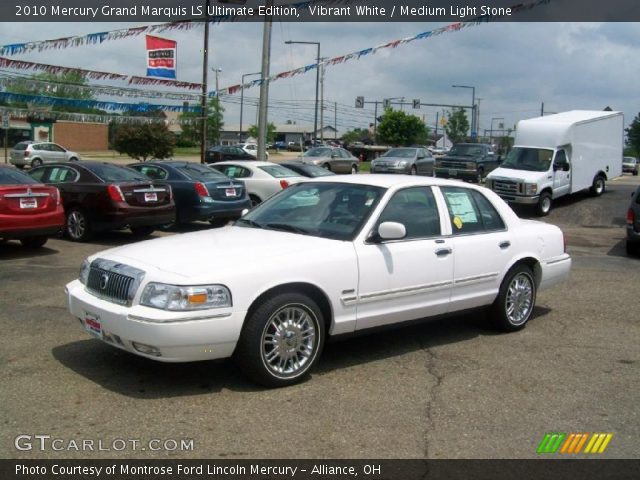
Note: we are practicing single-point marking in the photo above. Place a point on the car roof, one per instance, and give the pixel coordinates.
(393, 180)
(253, 163)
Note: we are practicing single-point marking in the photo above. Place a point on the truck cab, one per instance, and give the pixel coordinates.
(467, 161)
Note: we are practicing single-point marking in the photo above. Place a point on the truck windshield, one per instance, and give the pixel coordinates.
(531, 159)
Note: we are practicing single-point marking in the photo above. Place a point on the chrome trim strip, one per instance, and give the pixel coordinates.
(394, 293)
(25, 195)
(564, 258)
(136, 318)
(476, 278)
(149, 190)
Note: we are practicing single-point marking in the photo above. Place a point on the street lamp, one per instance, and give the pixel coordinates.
(315, 114)
(491, 131)
(473, 106)
(242, 99)
(216, 71)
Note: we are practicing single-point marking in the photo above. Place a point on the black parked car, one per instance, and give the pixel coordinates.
(200, 192)
(468, 161)
(222, 153)
(307, 169)
(633, 224)
(102, 196)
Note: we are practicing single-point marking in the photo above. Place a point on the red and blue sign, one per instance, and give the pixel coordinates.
(161, 57)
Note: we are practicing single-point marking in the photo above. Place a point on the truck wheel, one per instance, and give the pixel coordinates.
(635, 173)
(598, 186)
(544, 204)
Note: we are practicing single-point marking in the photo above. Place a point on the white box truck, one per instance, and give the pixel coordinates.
(558, 155)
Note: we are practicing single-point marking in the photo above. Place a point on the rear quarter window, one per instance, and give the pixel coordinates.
(9, 176)
(21, 146)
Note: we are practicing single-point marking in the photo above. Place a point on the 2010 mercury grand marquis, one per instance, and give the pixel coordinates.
(324, 257)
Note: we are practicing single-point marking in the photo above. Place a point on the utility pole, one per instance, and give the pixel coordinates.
(205, 68)
(542, 110)
(322, 102)
(264, 87)
(335, 120)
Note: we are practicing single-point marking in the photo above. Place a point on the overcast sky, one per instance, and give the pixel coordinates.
(514, 66)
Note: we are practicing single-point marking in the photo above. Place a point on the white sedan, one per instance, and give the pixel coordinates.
(262, 179)
(325, 257)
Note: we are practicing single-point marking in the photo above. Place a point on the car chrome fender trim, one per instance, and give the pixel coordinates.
(476, 278)
(393, 293)
(199, 318)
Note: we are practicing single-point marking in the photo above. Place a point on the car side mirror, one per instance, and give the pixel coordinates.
(565, 167)
(390, 231)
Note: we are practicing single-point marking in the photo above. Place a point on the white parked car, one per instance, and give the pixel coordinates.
(34, 154)
(262, 179)
(252, 149)
(322, 258)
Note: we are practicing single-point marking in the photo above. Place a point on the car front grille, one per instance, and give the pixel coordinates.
(453, 164)
(505, 186)
(113, 281)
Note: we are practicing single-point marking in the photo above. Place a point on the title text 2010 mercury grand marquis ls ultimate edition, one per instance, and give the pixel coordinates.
(324, 257)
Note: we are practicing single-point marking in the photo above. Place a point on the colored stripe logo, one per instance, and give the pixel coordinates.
(573, 443)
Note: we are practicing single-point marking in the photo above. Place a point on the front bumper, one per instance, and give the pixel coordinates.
(386, 169)
(177, 336)
(442, 172)
(520, 199)
(215, 210)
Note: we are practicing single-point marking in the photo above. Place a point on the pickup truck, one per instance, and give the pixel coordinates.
(467, 161)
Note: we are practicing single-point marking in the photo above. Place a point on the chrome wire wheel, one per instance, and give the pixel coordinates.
(519, 299)
(289, 341)
(76, 225)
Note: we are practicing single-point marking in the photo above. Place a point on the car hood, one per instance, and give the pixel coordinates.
(230, 248)
(394, 159)
(526, 176)
(461, 158)
(312, 160)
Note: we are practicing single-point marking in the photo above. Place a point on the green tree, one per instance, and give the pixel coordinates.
(400, 128)
(151, 140)
(357, 135)
(633, 135)
(215, 120)
(190, 129)
(457, 126)
(252, 131)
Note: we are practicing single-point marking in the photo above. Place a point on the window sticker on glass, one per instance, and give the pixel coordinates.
(457, 222)
(461, 207)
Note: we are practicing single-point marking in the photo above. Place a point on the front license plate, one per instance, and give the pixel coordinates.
(150, 197)
(28, 203)
(92, 324)
(453, 173)
(230, 192)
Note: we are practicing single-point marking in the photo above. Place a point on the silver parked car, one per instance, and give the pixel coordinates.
(411, 160)
(336, 159)
(35, 154)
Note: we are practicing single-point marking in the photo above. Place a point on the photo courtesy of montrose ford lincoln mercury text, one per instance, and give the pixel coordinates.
(321, 258)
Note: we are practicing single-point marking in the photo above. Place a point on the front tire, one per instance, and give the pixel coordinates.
(413, 171)
(544, 204)
(354, 169)
(480, 176)
(517, 296)
(143, 231)
(33, 242)
(326, 166)
(78, 228)
(281, 341)
(598, 186)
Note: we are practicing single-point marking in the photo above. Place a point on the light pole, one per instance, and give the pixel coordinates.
(242, 99)
(473, 107)
(203, 100)
(491, 131)
(315, 115)
(216, 70)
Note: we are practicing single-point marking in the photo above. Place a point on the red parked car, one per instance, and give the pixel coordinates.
(103, 196)
(29, 211)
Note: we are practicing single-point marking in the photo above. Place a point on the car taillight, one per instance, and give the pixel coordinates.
(284, 184)
(56, 195)
(115, 193)
(201, 189)
(631, 217)
(26, 153)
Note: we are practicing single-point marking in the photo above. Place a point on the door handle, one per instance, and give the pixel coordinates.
(505, 244)
(443, 252)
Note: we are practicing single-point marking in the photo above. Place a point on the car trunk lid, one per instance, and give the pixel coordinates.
(28, 199)
(145, 194)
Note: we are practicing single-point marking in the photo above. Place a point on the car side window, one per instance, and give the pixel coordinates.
(416, 209)
(39, 174)
(234, 171)
(470, 211)
(55, 148)
(39, 147)
(62, 175)
(560, 162)
(155, 173)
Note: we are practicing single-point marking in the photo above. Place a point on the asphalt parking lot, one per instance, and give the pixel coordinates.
(447, 389)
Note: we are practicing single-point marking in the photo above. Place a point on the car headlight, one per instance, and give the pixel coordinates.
(402, 163)
(84, 272)
(179, 298)
(530, 188)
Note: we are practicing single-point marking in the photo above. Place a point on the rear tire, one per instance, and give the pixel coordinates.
(33, 242)
(219, 222)
(354, 169)
(480, 176)
(544, 204)
(255, 200)
(514, 305)
(413, 171)
(143, 231)
(598, 187)
(78, 228)
(36, 162)
(281, 341)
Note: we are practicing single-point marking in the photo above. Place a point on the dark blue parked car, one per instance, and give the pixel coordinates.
(199, 192)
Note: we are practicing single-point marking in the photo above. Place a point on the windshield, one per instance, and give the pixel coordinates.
(201, 173)
(278, 171)
(10, 176)
(318, 152)
(530, 159)
(328, 210)
(466, 150)
(114, 173)
(629, 160)
(401, 153)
